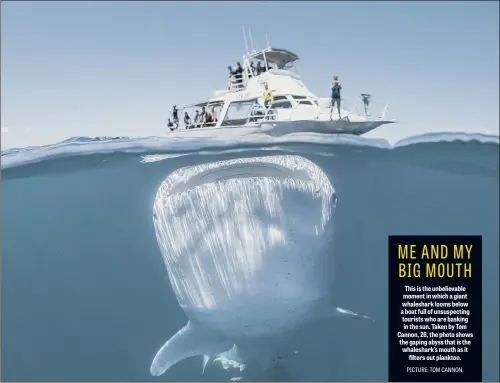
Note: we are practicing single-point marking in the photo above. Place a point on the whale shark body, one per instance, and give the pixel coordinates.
(246, 244)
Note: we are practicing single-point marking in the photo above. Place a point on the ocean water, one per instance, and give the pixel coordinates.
(86, 295)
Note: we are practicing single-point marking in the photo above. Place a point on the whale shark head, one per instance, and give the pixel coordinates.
(245, 243)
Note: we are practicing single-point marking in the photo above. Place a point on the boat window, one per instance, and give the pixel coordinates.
(214, 110)
(238, 112)
(305, 102)
(279, 98)
(299, 97)
(282, 105)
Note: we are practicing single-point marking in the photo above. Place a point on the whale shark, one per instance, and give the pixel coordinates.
(245, 243)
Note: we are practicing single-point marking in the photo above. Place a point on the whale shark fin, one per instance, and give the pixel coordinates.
(230, 358)
(187, 342)
(206, 359)
(340, 312)
(232, 353)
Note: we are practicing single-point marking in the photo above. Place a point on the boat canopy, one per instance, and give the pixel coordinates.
(201, 104)
(280, 57)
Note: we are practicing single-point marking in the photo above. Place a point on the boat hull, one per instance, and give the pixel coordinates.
(281, 128)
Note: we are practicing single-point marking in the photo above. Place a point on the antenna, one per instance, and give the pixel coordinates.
(251, 40)
(267, 41)
(245, 37)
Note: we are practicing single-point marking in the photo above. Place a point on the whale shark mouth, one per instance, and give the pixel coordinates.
(216, 222)
(244, 243)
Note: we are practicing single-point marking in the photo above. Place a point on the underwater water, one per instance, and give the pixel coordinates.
(86, 295)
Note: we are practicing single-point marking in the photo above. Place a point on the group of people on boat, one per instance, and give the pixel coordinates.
(236, 75)
(201, 119)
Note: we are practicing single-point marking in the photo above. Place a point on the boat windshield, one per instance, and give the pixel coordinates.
(280, 58)
(239, 112)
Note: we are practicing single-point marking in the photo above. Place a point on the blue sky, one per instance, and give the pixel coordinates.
(115, 68)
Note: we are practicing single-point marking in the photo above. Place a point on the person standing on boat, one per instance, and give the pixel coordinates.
(260, 68)
(239, 68)
(170, 124)
(203, 116)
(366, 101)
(252, 69)
(175, 115)
(231, 77)
(268, 97)
(208, 119)
(197, 119)
(187, 120)
(214, 115)
(336, 87)
(238, 74)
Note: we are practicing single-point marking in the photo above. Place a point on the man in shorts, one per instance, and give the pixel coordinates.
(336, 87)
(268, 97)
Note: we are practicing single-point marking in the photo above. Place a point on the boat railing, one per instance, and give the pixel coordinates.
(373, 110)
(259, 114)
(271, 114)
(236, 82)
(197, 125)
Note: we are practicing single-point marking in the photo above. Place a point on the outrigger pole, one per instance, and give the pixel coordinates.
(245, 38)
(251, 40)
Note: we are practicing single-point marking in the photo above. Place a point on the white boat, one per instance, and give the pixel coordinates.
(239, 109)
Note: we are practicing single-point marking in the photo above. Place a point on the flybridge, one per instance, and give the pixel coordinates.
(271, 60)
(279, 58)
